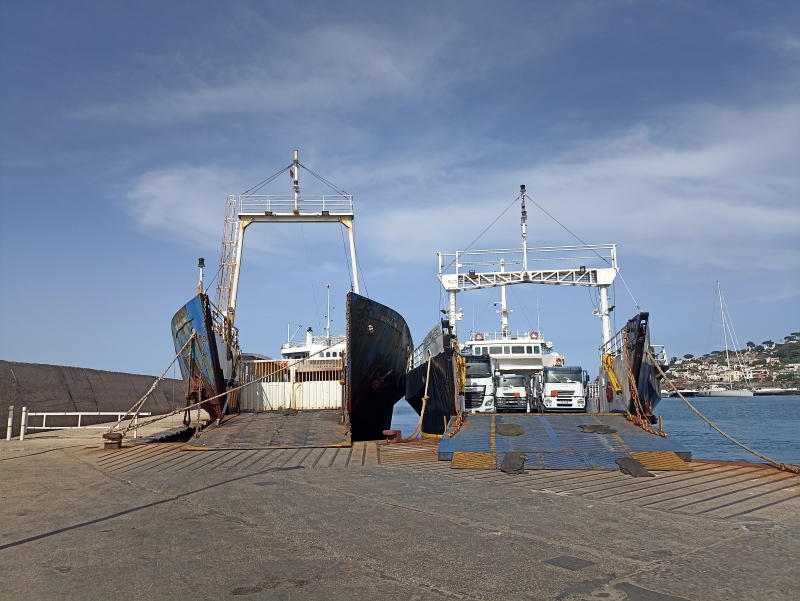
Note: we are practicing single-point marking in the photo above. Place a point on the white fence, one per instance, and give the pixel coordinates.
(308, 384)
(26, 415)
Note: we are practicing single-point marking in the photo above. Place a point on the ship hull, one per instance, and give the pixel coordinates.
(378, 346)
(441, 384)
(635, 372)
(199, 362)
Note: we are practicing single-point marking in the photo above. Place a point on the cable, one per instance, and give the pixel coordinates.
(524, 312)
(484, 231)
(363, 279)
(584, 243)
(257, 187)
(324, 181)
(346, 258)
(310, 276)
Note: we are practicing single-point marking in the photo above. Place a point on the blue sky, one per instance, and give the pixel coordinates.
(669, 128)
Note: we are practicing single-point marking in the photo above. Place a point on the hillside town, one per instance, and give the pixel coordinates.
(769, 365)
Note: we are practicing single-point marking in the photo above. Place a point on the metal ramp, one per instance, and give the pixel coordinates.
(289, 429)
(558, 442)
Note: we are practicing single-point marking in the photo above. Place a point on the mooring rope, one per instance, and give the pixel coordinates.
(785, 467)
(138, 404)
(417, 430)
(199, 403)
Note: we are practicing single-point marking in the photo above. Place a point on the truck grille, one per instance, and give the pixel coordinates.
(473, 398)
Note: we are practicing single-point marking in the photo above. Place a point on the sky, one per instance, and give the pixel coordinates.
(671, 129)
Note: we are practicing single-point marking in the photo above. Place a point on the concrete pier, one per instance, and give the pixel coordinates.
(155, 521)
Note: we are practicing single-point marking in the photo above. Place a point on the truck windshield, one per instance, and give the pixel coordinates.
(562, 376)
(478, 370)
(512, 381)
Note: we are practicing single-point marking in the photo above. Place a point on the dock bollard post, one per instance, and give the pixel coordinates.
(23, 423)
(10, 421)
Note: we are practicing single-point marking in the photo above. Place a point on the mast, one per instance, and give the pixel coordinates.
(296, 181)
(328, 325)
(725, 336)
(503, 305)
(524, 223)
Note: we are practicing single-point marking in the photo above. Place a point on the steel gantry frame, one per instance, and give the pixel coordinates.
(473, 270)
(246, 209)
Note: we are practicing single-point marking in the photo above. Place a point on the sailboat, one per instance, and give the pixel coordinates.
(727, 331)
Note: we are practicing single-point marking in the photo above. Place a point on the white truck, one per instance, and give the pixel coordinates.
(513, 393)
(561, 389)
(479, 387)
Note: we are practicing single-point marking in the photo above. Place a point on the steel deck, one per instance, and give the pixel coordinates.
(557, 442)
(274, 430)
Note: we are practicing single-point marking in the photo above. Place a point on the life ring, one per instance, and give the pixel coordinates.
(479, 337)
(559, 361)
(534, 335)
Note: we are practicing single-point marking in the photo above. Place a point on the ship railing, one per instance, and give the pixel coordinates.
(416, 358)
(616, 345)
(330, 204)
(592, 256)
(318, 340)
(478, 337)
(660, 354)
(119, 415)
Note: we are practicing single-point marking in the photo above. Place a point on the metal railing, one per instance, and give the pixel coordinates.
(593, 256)
(332, 204)
(24, 427)
(533, 336)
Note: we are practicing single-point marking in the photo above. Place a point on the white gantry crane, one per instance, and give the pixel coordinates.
(249, 208)
(592, 265)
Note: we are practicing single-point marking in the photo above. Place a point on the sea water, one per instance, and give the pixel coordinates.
(767, 424)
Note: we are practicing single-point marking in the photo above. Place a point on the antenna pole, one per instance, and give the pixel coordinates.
(328, 326)
(296, 183)
(524, 222)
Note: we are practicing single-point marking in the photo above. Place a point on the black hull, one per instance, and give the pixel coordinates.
(442, 391)
(632, 364)
(378, 346)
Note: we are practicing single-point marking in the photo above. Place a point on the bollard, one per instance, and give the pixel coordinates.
(113, 441)
(23, 423)
(10, 421)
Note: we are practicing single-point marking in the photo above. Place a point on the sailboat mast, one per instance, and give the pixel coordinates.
(725, 335)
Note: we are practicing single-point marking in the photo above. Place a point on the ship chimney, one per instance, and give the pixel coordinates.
(201, 264)
(309, 337)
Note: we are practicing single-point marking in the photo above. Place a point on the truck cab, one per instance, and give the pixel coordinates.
(513, 393)
(561, 388)
(479, 387)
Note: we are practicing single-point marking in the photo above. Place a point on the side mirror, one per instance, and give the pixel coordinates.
(497, 374)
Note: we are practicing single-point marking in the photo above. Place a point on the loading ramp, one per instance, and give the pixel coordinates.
(558, 441)
(281, 429)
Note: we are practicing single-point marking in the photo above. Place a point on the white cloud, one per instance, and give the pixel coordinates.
(720, 189)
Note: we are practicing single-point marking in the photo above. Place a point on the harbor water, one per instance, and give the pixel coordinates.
(767, 424)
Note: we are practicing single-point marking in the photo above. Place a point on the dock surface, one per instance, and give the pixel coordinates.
(155, 521)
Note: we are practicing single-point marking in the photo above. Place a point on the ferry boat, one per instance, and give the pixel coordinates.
(361, 375)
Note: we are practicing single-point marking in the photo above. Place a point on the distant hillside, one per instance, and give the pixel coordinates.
(769, 364)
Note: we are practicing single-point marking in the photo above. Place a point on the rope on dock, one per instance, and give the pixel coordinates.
(417, 430)
(138, 404)
(199, 403)
(784, 467)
